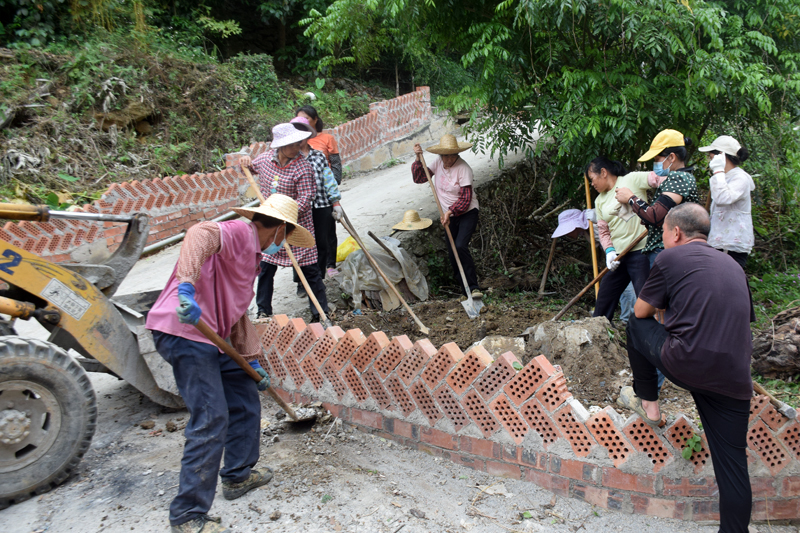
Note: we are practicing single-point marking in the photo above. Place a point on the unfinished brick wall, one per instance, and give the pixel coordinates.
(175, 203)
(386, 121)
(524, 424)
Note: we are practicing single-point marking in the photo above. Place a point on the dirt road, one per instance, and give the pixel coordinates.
(327, 477)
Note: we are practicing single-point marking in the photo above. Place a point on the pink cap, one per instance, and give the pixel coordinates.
(569, 220)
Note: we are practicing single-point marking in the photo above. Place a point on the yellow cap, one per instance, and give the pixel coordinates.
(664, 139)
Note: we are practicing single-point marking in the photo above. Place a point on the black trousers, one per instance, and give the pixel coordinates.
(724, 421)
(266, 286)
(634, 267)
(324, 226)
(462, 227)
(739, 257)
(333, 244)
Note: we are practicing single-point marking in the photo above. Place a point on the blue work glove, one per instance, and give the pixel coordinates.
(188, 312)
(264, 383)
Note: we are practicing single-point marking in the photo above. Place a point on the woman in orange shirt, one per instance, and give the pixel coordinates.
(325, 143)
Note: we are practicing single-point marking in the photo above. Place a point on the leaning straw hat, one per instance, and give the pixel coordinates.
(412, 220)
(286, 134)
(448, 146)
(283, 208)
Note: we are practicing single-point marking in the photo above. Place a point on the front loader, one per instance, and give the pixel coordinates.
(48, 409)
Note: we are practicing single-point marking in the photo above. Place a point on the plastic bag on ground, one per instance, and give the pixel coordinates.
(357, 274)
(347, 247)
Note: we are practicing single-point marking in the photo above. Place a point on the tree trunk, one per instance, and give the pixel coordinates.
(396, 82)
(280, 64)
(775, 351)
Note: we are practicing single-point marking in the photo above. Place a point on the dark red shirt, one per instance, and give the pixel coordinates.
(708, 310)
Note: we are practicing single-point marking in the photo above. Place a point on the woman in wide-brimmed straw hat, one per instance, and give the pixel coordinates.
(453, 181)
(283, 170)
(213, 280)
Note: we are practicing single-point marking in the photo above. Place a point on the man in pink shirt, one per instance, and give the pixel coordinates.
(452, 177)
(214, 278)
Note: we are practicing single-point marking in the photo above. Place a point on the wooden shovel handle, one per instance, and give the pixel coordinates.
(598, 277)
(220, 343)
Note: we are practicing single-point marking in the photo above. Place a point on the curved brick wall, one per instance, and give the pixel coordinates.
(175, 203)
(522, 424)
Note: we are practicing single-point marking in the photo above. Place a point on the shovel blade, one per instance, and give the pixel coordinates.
(472, 307)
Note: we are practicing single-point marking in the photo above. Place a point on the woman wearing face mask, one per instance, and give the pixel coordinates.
(283, 170)
(731, 220)
(668, 152)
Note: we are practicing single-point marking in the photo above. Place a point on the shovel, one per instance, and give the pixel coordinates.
(323, 318)
(349, 227)
(783, 408)
(210, 334)
(472, 307)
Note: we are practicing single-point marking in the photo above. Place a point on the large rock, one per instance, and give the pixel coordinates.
(775, 351)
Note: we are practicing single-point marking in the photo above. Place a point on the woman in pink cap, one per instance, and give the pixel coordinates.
(283, 170)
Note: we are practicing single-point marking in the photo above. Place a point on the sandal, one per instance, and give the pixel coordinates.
(628, 399)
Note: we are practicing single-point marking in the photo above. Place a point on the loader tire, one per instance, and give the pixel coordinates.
(48, 415)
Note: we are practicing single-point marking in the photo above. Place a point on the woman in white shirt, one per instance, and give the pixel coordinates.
(731, 218)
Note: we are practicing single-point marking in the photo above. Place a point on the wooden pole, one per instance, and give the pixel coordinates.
(547, 267)
(591, 233)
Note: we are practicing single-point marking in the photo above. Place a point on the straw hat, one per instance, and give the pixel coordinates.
(448, 145)
(286, 134)
(302, 124)
(665, 139)
(283, 208)
(412, 220)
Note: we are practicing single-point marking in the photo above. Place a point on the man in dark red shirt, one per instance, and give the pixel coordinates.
(704, 346)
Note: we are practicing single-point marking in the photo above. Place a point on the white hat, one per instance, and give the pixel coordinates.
(725, 144)
(569, 220)
(286, 134)
(283, 208)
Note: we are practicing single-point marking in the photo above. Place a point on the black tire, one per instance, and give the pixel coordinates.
(60, 416)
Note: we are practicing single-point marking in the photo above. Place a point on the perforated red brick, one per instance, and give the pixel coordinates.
(509, 418)
(273, 330)
(289, 361)
(332, 376)
(790, 437)
(773, 418)
(539, 421)
(392, 355)
(401, 398)
(450, 406)
(529, 379)
(499, 373)
(373, 383)
(574, 431)
(425, 402)
(288, 334)
(353, 382)
(415, 361)
(756, 405)
(678, 433)
(554, 393)
(325, 345)
(440, 364)
(645, 440)
(761, 441)
(275, 363)
(371, 349)
(346, 347)
(469, 369)
(607, 435)
(306, 341)
(480, 413)
(312, 373)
